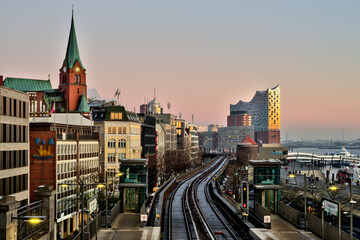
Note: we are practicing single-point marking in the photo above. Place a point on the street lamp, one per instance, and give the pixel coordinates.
(305, 200)
(335, 188)
(31, 219)
(352, 202)
(99, 185)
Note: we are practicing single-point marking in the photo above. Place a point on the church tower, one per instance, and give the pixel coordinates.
(72, 80)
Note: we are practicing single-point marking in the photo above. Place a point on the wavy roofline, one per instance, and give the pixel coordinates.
(261, 91)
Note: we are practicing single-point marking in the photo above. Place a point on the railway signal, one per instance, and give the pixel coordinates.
(244, 196)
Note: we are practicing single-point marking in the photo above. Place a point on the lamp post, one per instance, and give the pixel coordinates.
(31, 219)
(334, 188)
(305, 200)
(352, 202)
(99, 185)
(322, 222)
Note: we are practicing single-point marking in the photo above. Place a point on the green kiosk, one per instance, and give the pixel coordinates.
(264, 177)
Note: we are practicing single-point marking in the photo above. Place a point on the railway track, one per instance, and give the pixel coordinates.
(192, 213)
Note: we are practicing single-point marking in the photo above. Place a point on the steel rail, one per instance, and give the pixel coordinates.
(216, 211)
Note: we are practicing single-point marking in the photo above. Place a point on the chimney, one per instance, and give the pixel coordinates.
(1, 80)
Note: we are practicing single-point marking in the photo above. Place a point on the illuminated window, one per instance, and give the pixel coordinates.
(115, 115)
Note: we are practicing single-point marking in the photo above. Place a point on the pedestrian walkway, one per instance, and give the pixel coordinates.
(127, 226)
(281, 229)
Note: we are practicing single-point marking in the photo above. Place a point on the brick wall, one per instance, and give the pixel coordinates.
(42, 171)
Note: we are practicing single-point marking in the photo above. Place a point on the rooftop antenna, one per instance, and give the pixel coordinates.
(49, 76)
(192, 119)
(118, 95)
(72, 8)
(154, 93)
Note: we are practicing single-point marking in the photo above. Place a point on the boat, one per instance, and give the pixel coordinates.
(347, 175)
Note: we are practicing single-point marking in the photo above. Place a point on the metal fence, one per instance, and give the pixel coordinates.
(314, 223)
(330, 232)
(260, 211)
(114, 212)
(91, 229)
(25, 229)
(290, 214)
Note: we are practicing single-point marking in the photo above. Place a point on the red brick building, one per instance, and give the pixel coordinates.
(242, 119)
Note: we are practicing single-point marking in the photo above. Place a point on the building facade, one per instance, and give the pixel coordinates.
(120, 138)
(148, 134)
(264, 109)
(208, 141)
(166, 133)
(64, 150)
(194, 142)
(229, 137)
(239, 119)
(14, 144)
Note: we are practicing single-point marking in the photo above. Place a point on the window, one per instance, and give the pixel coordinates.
(78, 90)
(111, 157)
(111, 130)
(76, 79)
(122, 143)
(122, 130)
(121, 156)
(79, 79)
(115, 115)
(111, 143)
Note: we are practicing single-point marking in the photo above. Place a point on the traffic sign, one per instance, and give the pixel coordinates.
(266, 219)
(143, 217)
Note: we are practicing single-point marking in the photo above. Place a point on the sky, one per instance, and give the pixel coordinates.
(201, 56)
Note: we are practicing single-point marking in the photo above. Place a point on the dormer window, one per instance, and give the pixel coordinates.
(115, 115)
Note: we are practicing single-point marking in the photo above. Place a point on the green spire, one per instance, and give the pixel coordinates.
(72, 51)
(83, 105)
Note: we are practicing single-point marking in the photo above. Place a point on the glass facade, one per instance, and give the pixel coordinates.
(132, 195)
(266, 175)
(133, 173)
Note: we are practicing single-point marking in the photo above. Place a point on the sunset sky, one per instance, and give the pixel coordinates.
(201, 55)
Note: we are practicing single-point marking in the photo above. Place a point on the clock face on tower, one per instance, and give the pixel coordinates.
(64, 69)
(77, 69)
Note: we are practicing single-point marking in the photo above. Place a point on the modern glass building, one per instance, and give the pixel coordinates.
(264, 109)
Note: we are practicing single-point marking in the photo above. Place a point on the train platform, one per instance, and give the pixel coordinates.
(127, 226)
(281, 229)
